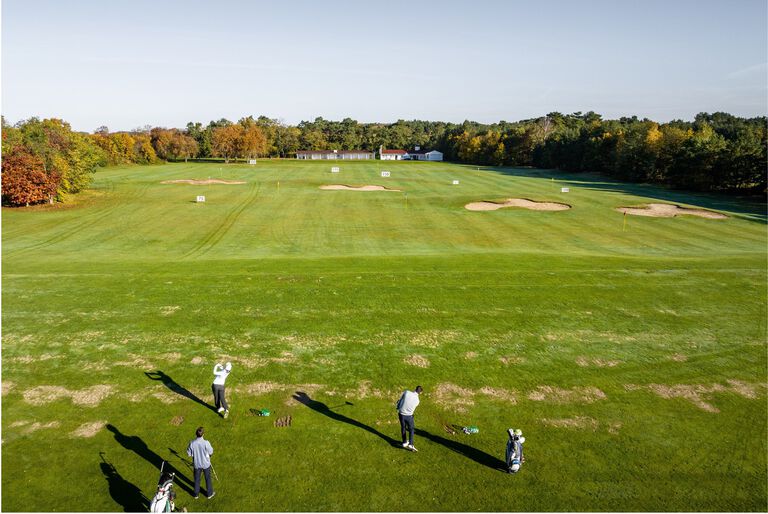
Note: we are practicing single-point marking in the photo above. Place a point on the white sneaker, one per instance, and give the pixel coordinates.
(221, 409)
(405, 444)
(226, 413)
(412, 448)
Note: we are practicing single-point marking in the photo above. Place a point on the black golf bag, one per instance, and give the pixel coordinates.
(165, 497)
(514, 454)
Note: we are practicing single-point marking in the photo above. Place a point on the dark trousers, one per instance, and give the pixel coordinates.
(406, 424)
(208, 483)
(218, 396)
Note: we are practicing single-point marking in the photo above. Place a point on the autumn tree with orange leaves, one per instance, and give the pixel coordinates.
(25, 180)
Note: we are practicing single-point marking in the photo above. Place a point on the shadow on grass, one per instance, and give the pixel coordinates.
(322, 408)
(471, 453)
(751, 207)
(176, 387)
(124, 493)
(137, 445)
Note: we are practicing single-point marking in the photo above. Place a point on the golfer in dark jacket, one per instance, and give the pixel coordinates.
(201, 450)
(406, 406)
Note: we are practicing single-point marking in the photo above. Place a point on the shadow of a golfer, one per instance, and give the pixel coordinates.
(322, 408)
(124, 493)
(176, 387)
(137, 445)
(474, 454)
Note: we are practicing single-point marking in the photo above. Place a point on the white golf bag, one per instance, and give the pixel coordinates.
(514, 456)
(165, 496)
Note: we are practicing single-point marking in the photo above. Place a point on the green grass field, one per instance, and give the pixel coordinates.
(632, 355)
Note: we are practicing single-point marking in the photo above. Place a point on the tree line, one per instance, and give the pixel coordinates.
(45, 161)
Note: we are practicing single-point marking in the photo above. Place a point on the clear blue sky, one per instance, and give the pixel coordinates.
(126, 64)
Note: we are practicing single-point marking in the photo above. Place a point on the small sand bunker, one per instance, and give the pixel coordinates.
(665, 210)
(517, 202)
(342, 187)
(203, 182)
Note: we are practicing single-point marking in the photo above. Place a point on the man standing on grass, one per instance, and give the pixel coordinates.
(201, 450)
(406, 405)
(220, 373)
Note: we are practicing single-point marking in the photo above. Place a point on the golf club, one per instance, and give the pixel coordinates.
(214, 473)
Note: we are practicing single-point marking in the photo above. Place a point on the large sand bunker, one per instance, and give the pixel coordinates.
(203, 182)
(342, 187)
(665, 210)
(517, 202)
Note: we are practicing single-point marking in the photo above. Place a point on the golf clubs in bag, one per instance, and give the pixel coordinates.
(514, 450)
(165, 496)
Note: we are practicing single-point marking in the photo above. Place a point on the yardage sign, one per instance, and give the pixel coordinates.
(384, 173)
(251, 161)
(455, 182)
(200, 199)
(335, 169)
(565, 189)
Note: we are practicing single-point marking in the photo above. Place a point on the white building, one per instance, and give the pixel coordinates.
(391, 155)
(423, 155)
(334, 154)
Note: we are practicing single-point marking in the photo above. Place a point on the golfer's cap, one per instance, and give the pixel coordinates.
(228, 366)
(518, 432)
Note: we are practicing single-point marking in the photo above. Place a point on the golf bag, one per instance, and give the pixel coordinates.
(165, 496)
(514, 457)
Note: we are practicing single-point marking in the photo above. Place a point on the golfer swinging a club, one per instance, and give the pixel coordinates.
(406, 406)
(220, 373)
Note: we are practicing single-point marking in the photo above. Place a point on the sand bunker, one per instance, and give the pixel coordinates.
(665, 210)
(517, 202)
(342, 187)
(203, 182)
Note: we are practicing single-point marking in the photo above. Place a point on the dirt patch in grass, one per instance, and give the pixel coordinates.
(89, 397)
(92, 396)
(746, 389)
(202, 182)
(452, 397)
(586, 362)
(343, 187)
(697, 394)
(88, 429)
(417, 360)
(678, 357)
(578, 422)
(312, 343)
(167, 310)
(434, 338)
(38, 426)
(7, 386)
(665, 210)
(197, 360)
(364, 390)
(136, 361)
(167, 397)
(563, 396)
(41, 395)
(517, 202)
(470, 355)
(511, 360)
(172, 357)
(500, 394)
(177, 420)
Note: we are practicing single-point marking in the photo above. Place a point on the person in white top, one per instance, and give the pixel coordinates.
(220, 373)
(406, 406)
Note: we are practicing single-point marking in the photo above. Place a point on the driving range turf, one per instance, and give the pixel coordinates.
(630, 351)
